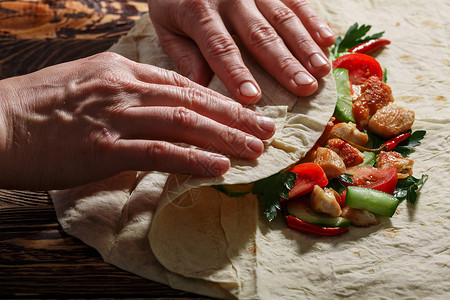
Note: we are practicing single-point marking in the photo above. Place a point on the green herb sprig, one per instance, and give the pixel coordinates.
(407, 188)
(355, 35)
(271, 189)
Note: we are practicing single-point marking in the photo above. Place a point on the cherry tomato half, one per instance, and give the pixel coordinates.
(360, 67)
(384, 180)
(308, 175)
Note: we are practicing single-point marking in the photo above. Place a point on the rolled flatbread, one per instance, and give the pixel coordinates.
(180, 231)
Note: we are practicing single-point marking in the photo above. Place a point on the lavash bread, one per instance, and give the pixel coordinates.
(231, 250)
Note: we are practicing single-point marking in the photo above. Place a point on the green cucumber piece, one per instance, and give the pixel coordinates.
(235, 190)
(343, 110)
(298, 208)
(370, 158)
(375, 201)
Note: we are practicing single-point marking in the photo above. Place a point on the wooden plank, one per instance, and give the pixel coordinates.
(19, 57)
(88, 19)
(38, 259)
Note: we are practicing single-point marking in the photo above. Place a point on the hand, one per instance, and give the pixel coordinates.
(285, 36)
(90, 119)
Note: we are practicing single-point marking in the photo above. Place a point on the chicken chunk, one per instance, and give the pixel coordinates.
(349, 132)
(325, 201)
(349, 154)
(359, 217)
(391, 120)
(375, 94)
(330, 162)
(394, 159)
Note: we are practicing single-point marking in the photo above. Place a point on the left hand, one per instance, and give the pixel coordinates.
(285, 36)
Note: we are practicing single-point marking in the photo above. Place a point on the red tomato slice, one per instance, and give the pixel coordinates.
(384, 180)
(308, 175)
(360, 67)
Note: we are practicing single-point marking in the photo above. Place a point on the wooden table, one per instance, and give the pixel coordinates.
(38, 259)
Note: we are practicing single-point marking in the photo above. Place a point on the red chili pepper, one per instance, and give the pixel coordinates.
(305, 227)
(369, 46)
(392, 143)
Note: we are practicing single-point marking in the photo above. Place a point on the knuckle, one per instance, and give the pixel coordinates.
(237, 71)
(184, 118)
(195, 8)
(194, 98)
(305, 44)
(100, 143)
(234, 141)
(300, 5)
(287, 63)
(157, 151)
(261, 35)
(177, 79)
(221, 44)
(111, 56)
(282, 15)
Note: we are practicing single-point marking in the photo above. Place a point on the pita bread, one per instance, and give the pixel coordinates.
(223, 247)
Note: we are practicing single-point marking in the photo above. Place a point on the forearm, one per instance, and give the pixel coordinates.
(8, 95)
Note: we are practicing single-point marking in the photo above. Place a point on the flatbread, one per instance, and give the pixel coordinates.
(205, 242)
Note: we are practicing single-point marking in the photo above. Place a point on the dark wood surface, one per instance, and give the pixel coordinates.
(38, 259)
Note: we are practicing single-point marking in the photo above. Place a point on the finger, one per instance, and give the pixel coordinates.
(296, 37)
(222, 54)
(269, 49)
(186, 55)
(179, 124)
(211, 105)
(318, 28)
(166, 157)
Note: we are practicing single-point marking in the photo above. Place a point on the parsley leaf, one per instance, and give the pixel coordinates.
(407, 146)
(337, 183)
(407, 188)
(271, 189)
(355, 35)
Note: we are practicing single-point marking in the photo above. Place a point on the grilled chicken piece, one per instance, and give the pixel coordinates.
(325, 201)
(349, 154)
(359, 217)
(330, 162)
(349, 132)
(391, 120)
(375, 94)
(394, 159)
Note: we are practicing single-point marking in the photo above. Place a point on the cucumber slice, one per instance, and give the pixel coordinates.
(235, 190)
(300, 209)
(370, 158)
(377, 202)
(343, 110)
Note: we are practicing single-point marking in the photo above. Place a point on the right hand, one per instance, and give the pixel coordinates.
(285, 36)
(90, 119)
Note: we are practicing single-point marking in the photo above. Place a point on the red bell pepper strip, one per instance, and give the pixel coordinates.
(369, 46)
(393, 142)
(305, 227)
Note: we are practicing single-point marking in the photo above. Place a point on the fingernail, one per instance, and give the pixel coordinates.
(301, 78)
(248, 89)
(254, 144)
(317, 60)
(326, 33)
(220, 165)
(266, 123)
